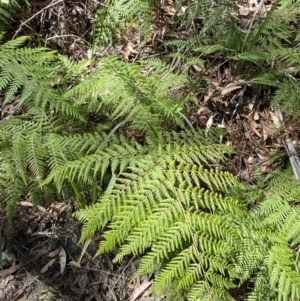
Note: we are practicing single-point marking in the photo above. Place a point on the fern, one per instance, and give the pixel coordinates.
(7, 11)
(55, 140)
(112, 17)
(123, 92)
(279, 212)
(170, 205)
(100, 133)
(31, 74)
(272, 42)
(172, 208)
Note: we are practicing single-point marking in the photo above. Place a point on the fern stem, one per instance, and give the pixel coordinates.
(187, 121)
(77, 193)
(261, 28)
(104, 143)
(78, 196)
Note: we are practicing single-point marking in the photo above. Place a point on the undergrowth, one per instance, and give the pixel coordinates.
(113, 136)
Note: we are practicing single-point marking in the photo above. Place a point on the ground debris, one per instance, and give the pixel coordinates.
(47, 263)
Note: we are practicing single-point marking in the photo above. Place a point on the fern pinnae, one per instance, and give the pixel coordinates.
(89, 215)
(292, 228)
(36, 156)
(175, 268)
(19, 144)
(282, 273)
(14, 189)
(163, 186)
(147, 234)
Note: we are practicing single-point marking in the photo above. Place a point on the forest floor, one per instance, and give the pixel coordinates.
(42, 259)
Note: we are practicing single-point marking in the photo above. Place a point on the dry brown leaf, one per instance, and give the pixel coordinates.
(170, 10)
(62, 260)
(9, 271)
(230, 88)
(45, 233)
(204, 110)
(140, 290)
(54, 253)
(49, 294)
(265, 114)
(7, 279)
(209, 122)
(42, 209)
(215, 82)
(209, 94)
(17, 294)
(261, 157)
(26, 204)
(270, 130)
(256, 116)
(265, 133)
(47, 266)
(265, 167)
(253, 126)
(244, 11)
(59, 207)
(249, 163)
(133, 268)
(197, 68)
(128, 51)
(244, 174)
(8, 109)
(30, 205)
(75, 264)
(275, 119)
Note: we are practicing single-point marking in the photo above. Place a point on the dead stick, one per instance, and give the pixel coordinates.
(36, 14)
(293, 155)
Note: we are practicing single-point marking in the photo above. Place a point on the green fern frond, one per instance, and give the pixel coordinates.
(279, 213)
(283, 276)
(208, 49)
(179, 43)
(8, 10)
(30, 75)
(5, 17)
(170, 206)
(165, 201)
(288, 90)
(261, 289)
(256, 57)
(123, 92)
(87, 166)
(111, 19)
(14, 191)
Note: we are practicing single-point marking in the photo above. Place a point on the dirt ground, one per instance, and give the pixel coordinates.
(42, 261)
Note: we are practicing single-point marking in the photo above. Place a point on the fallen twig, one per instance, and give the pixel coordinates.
(33, 16)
